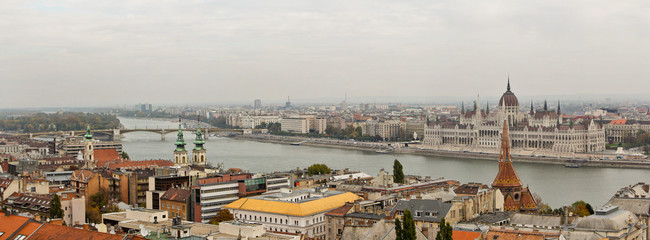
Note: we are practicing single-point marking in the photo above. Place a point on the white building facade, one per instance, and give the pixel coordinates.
(538, 132)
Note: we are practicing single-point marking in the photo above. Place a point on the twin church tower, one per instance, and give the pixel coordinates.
(198, 153)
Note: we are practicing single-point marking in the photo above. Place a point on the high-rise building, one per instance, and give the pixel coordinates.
(258, 103)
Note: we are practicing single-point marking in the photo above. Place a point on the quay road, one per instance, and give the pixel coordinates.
(382, 147)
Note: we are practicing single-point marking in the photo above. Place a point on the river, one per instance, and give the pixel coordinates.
(556, 184)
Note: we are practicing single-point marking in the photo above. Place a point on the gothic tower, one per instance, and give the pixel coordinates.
(180, 154)
(516, 198)
(89, 152)
(198, 153)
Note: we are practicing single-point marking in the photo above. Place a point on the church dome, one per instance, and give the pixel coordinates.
(508, 98)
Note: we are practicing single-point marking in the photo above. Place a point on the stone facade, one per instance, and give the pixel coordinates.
(538, 132)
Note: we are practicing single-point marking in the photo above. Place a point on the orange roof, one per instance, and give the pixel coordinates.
(506, 177)
(341, 211)
(619, 121)
(108, 154)
(509, 204)
(51, 231)
(140, 164)
(527, 201)
(11, 224)
(465, 235)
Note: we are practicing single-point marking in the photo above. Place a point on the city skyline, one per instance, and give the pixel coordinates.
(124, 53)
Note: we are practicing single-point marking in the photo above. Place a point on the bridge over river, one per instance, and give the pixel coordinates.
(116, 133)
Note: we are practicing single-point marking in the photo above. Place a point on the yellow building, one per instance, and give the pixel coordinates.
(300, 211)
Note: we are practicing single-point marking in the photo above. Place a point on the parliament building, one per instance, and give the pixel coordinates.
(536, 132)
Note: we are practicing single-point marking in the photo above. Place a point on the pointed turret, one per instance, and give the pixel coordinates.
(180, 153)
(545, 106)
(558, 107)
(475, 107)
(508, 83)
(198, 152)
(462, 107)
(180, 142)
(506, 177)
(532, 111)
(487, 108)
(89, 150)
(88, 136)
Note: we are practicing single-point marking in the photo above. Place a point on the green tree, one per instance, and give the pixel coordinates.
(125, 155)
(55, 207)
(222, 215)
(398, 230)
(317, 169)
(445, 232)
(398, 172)
(409, 232)
(98, 200)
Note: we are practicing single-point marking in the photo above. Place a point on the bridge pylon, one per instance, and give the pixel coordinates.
(162, 135)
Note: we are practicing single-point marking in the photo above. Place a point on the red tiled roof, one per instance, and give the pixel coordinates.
(527, 201)
(465, 235)
(140, 164)
(11, 224)
(509, 204)
(176, 195)
(108, 154)
(506, 177)
(51, 231)
(340, 211)
(618, 121)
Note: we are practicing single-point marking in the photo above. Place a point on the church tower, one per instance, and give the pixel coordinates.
(89, 152)
(198, 153)
(516, 198)
(180, 154)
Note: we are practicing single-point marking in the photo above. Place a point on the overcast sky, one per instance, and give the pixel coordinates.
(102, 53)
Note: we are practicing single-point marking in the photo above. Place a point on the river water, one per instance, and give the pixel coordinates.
(556, 184)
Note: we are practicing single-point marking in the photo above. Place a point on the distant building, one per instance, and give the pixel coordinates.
(538, 132)
(177, 202)
(258, 104)
(301, 211)
(636, 199)
(609, 222)
(387, 130)
(304, 124)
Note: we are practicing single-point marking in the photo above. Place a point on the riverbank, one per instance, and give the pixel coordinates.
(384, 148)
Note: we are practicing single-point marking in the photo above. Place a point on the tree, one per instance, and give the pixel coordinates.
(98, 200)
(222, 215)
(112, 208)
(398, 173)
(317, 169)
(445, 232)
(93, 215)
(398, 230)
(125, 155)
(409, 232)
(55, 207)
(580, 208)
